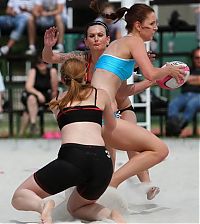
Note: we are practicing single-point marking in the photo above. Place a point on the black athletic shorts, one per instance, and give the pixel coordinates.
(88, 167)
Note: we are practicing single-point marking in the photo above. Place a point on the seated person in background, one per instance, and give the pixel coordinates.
(114, 28)
(47, 13)
(41, 86)
(18, 13)
(188, 102)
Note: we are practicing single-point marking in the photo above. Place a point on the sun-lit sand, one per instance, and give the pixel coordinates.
(177, 177)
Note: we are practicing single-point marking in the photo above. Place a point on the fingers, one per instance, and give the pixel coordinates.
(180, 79)
(151, 55)
(179, 76)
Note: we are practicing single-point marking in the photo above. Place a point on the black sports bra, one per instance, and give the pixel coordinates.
(85, 113)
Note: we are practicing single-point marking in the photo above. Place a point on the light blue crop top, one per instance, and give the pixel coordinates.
(123, 68)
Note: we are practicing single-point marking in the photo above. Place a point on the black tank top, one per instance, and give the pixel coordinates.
(86, 113)
(42, 82)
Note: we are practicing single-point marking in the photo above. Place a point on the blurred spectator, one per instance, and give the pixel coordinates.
(41, 86)
(183, 108)
(2, 90)
(197, 14)
(18, 12)
(47, 13)
(114, 28)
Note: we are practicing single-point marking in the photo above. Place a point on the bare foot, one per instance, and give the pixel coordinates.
(152, 192)
(186, 132)
(47, 211)
(117, 217)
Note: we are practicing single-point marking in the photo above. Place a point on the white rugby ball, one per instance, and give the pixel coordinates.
(169, 82)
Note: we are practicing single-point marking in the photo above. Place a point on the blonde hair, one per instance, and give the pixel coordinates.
(73, 75)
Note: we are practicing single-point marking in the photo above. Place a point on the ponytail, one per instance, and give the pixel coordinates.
(116, 16)
(73, 73)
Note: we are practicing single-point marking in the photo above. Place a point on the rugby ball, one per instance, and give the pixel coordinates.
(169, 82)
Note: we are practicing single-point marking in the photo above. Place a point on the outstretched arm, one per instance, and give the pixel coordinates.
(50, 39)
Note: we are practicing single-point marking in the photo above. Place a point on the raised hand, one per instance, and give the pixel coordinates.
(51, 37)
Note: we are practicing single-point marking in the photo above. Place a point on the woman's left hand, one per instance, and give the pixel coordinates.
(151, 55)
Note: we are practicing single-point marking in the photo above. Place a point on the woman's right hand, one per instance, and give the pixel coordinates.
(51, 37)
(177, 72)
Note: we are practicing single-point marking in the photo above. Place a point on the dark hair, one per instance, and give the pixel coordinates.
(73, 74)
(38, 60)
(93, 23)
(137, 12)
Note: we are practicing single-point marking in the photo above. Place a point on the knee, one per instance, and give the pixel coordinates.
(14, 201)
(70, 209)
(31, 99)
(163, 151)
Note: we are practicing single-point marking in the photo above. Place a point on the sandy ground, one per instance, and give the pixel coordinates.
(177, 177)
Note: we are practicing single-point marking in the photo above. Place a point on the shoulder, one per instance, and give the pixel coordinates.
(53, 70)
(102, 93)
(32, 71)
(134, 44)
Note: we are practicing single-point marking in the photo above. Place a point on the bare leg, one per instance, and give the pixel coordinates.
(31, 30)
(11, 43)
(131, 137)
(24, 123)
(29, 197)
(90, 210)
(143, 176)
(112, 154)
(61, 28)
(32, 108)
(129, 115)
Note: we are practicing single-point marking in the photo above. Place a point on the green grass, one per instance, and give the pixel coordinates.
(51, 126)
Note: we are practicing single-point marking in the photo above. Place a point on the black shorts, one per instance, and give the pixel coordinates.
(88, 167)
(25, 95)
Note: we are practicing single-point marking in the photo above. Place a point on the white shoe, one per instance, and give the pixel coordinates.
(30, 51)
(4, 50)
(59, 49)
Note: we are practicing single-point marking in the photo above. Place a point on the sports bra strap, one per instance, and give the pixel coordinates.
(95, 96)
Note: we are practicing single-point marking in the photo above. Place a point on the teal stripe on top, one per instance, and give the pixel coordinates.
(123, 68)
